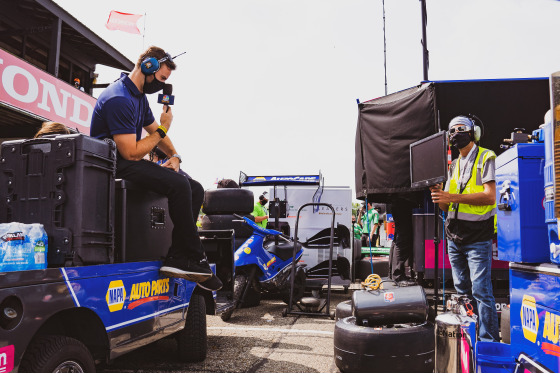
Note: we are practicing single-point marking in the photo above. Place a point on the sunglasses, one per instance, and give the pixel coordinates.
(460, 128)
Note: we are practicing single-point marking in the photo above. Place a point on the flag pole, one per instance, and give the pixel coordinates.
(144, 34)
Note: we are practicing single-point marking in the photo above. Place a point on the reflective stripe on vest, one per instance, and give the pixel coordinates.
(469, 212)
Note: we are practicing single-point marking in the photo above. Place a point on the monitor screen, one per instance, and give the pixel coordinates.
(428, 160)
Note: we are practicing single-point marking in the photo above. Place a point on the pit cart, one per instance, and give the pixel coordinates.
(102, 294)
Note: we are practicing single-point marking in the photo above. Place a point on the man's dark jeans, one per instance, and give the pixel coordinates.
(184, 197)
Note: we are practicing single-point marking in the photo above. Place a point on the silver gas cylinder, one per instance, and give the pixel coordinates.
(454, 331)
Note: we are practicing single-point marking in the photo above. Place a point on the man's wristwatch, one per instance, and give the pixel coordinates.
(178, 156)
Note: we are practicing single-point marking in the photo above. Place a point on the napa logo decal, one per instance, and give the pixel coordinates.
(116, 294)
(529, 318)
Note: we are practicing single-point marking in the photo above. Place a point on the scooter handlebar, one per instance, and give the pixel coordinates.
(238, 216)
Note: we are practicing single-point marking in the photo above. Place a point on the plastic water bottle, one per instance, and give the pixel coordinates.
(22, 246)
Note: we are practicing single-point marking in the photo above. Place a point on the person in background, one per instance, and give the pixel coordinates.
(259, 212)
(357, 228)
(51, 128)
(469, 197)
(77, 84)
(370, 224)
(227, 183)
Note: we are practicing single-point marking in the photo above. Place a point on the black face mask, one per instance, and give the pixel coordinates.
(154, 86)
(263, 202)
(460, 139)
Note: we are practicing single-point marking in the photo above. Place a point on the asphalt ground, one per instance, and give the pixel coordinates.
(254, 340)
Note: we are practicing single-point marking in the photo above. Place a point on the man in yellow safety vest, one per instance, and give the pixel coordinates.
(469, 198)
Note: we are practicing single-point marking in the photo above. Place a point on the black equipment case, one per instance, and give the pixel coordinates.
(391, 306)
(143, 226)
(66, 183)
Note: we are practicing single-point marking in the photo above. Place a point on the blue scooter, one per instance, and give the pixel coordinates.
(263, 263)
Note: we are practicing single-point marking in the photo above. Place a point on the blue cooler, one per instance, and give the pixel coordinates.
(522, 230)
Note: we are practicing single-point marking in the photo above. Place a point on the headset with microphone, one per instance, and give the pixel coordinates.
(151, 65)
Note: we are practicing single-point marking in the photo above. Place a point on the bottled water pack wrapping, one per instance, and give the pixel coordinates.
(22, 246)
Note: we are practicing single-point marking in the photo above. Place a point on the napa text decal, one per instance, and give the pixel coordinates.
(550, 333)
(144, 292)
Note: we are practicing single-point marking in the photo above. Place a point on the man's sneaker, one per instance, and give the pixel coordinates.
(196, 271)
(212, 284)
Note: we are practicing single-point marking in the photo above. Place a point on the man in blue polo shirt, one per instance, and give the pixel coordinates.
(121, 112)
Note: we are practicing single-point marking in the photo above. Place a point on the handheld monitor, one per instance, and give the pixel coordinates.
(428, 161)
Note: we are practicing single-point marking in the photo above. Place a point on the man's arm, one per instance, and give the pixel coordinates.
(444, 198)
(166, 146)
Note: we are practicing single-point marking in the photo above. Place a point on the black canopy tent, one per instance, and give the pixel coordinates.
(388, 125)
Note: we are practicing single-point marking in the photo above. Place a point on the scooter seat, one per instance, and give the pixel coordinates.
(283, 251)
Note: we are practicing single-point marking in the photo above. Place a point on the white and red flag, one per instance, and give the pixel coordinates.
(123, 21)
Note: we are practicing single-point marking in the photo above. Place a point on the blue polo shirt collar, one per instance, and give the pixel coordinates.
(130, 85)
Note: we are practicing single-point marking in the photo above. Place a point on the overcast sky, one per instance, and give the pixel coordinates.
(270, 87)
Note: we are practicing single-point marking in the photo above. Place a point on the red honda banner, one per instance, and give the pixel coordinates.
(28, 89)
(123, 21)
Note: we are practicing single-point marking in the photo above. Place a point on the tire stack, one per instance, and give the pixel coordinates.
(384, 331)
(219, 206)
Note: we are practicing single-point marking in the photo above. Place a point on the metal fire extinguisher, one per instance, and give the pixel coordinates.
(456, 334)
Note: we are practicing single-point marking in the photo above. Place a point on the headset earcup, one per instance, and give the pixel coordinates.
(149, 66)
(477, 133)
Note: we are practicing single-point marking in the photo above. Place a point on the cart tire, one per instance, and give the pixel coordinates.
(239, 284)
(192, 340)
(505, 325)
(391, 348)
(343, 310)
(56, 354)
(252, 298)
(299, 287)
(228, 201)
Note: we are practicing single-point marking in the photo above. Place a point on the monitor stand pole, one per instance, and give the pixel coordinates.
(436, 257)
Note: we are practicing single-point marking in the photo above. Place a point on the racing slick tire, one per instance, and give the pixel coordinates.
(343, 310)
(57, 354)
(239, 284)
(227, 222)
(380, 267)
(228, 201)
(192, 342)
(404, 347)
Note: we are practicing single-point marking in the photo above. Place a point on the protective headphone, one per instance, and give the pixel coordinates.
(478, 126)
(151, 65)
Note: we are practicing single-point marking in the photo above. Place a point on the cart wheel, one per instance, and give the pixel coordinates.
(316, 294)
(57, 354)
(332, 314)
(192, 340)
(239, 284)
(285, 312)
(345, 290)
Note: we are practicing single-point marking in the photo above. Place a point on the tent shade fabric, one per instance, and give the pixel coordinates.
(386, 128)
(388, 125)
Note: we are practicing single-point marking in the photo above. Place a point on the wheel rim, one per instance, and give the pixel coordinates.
(69, 367)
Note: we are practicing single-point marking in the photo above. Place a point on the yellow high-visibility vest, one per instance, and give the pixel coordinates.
(469, 212)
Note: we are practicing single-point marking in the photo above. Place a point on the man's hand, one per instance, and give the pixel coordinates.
(166, 117)
(439, 195)
(172, 163)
